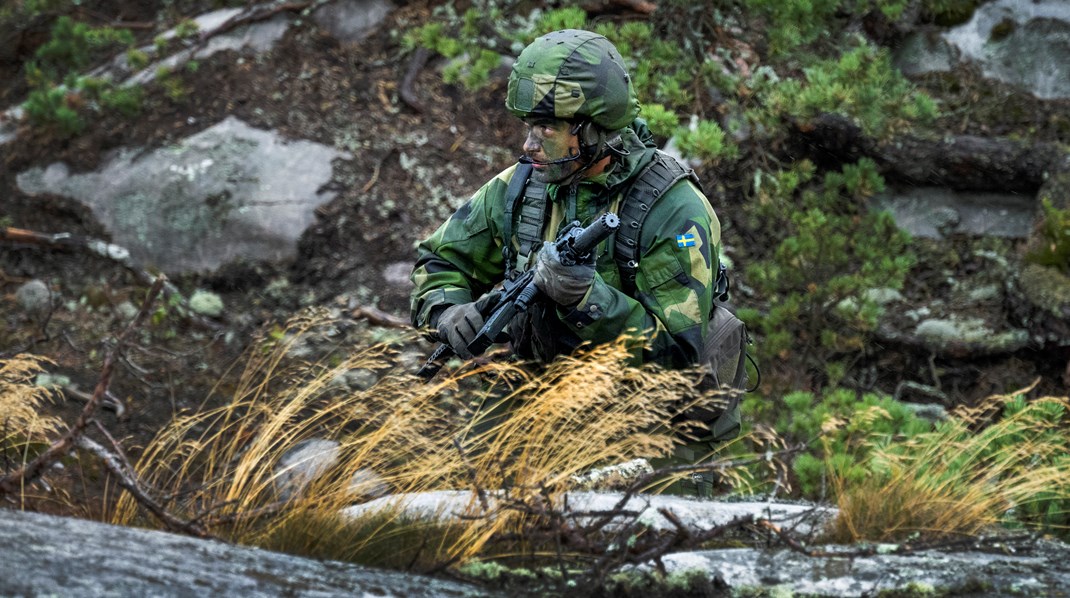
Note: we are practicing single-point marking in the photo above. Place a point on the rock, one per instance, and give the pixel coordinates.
(1043, 303)
(59, 556)
(934, 213)
(310, 459)
(228, 192)
(206, 303)
(1024, 44)
(1042, 569)
(34, 298)
(350, 21)
(956, 335)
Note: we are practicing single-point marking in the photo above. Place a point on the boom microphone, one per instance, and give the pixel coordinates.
(526, 160)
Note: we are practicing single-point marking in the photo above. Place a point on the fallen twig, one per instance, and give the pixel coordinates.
(379, 317)
(416, 64)
(128, 480)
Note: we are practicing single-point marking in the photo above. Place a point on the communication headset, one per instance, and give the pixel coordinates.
(590, 137)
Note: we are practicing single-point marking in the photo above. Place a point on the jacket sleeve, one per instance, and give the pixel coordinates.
(668, 316)
(462, 259)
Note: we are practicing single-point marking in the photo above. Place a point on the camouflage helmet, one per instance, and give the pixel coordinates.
(573, 75)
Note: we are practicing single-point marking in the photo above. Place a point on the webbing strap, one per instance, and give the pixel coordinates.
(532, 219)
(513, 193)
(655, 179)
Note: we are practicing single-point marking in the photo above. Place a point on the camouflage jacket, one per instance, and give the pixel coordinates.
(666, 317)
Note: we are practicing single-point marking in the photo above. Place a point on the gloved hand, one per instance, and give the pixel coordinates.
(459, 324)
(566, 285)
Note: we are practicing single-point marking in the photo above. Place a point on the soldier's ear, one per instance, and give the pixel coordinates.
(589, 136)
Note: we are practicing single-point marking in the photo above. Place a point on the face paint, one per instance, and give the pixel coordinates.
(549, 140)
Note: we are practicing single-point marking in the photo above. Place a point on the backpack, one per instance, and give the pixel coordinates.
(725, 349)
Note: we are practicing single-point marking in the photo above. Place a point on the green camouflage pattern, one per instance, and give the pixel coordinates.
(667, 316)
(572, 75)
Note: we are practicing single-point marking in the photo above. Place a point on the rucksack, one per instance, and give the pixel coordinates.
(725, 348)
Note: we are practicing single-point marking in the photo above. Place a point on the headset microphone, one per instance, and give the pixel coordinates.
(527, 160)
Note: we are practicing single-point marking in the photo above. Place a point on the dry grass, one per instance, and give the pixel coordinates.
(487, 426)
(967, 475)
(22, 427)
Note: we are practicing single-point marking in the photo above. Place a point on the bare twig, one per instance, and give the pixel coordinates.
(379, 317)
(128, 480)
(416, 64)
(110, 401)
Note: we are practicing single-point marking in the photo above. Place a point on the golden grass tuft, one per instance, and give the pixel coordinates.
(966, 475)
(22, 426)
(492, 426)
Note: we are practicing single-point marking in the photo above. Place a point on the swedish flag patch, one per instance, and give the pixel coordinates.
(687, 240)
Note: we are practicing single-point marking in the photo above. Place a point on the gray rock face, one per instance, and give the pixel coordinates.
(352, 20)
(934, 213)
(1043, 571)
(55, 556)
(230, 191)
(34, 297)
(1022, 43)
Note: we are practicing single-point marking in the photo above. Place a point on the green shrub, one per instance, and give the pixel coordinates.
(49, 108)
(707, 142)
(842, 428)
(828, 250)
(661, 120)
(1053, 248)
(862, 85)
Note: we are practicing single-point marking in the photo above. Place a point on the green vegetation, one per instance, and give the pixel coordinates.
(1004, 461)
(844, 428)
(59, 97)
(1054, 238)
(829, 251)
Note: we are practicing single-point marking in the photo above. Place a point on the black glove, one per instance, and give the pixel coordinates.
(459, 324)
(566, 285)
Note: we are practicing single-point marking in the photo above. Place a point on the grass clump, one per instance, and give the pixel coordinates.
(23, 429)
(1006, 461)
(516, 438)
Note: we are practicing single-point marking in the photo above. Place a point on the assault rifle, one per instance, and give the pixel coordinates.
(573, 245)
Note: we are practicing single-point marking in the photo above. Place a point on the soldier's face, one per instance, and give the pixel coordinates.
(550, 144)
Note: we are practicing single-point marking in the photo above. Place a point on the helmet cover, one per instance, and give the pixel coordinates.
(573, 75)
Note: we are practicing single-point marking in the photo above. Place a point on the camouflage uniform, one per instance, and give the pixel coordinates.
(679, 246)
(674, 285)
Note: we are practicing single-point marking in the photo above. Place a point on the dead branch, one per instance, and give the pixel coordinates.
(110, 401)
(416, 64)
(129, 481)
(14, 482)
(379, 317)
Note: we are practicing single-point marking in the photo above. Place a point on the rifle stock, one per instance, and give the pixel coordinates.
(574, 245)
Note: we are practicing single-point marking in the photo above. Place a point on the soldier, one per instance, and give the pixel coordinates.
(584, 152)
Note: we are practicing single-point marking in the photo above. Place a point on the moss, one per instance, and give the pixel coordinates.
(1046, 288)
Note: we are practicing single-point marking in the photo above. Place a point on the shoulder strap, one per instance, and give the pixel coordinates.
(655, 179)
(513, 193)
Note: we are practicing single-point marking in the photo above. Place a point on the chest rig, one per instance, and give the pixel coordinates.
(529, 198)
